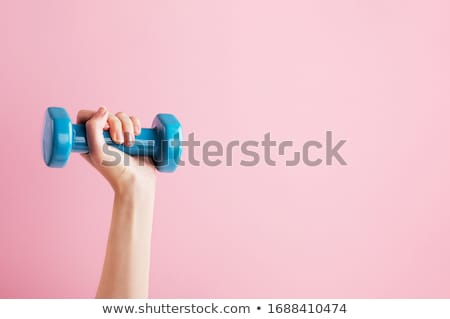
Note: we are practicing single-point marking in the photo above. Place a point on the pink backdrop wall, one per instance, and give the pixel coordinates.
(376, 73)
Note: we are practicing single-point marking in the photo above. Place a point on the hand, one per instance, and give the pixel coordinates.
(130, 172)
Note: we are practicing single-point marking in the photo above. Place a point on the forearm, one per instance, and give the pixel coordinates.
(127, 261)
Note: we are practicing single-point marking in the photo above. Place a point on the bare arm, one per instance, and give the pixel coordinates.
(127, 260)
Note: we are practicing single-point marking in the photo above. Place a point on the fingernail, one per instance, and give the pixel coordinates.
(102, 110)
(129, 138)
(118, 138)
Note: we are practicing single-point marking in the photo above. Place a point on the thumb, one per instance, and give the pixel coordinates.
(94, 135)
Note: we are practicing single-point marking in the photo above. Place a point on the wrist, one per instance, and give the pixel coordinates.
(135, 203)
(135, 191)
(133, 184)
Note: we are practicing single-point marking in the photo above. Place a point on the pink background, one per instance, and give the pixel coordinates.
(376, 73)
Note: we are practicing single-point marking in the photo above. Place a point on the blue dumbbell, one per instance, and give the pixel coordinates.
(162, 142)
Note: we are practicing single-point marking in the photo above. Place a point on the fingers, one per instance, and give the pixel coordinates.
(123, 128)
(137, 125)
(128, 128)
(115, 129)
(84, 115)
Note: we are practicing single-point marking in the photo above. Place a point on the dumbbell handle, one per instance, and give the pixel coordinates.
(145, 143)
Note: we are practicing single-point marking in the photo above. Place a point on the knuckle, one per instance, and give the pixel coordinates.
(82, 114)
(83, 111)
(121, 114)
(114, 120)
(127, 123)
(91, 124)
(135, 119)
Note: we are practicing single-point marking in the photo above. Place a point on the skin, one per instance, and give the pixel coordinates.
(127, 261)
